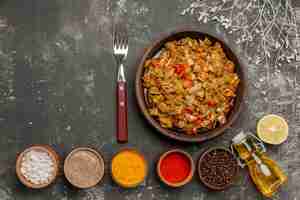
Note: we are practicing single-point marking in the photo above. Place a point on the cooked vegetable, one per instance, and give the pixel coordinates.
(191, 85)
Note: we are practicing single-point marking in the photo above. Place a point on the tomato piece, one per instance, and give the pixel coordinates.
(180, 69)
(187, 83)
(186, 77)
(211, 103)
(188, 110)
(155, 63)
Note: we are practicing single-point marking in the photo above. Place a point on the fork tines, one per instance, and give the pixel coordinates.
(120, 36)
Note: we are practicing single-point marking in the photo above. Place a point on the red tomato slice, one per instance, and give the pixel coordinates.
(188, 110)
(155, 63)
(180, 69)
(211, 103)
(187, 83)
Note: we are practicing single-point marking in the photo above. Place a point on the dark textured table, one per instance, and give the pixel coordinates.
(57, 87)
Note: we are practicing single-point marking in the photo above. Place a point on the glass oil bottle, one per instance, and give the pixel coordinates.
(265, 173)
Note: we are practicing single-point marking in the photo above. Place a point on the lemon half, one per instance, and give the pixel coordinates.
(272, 129)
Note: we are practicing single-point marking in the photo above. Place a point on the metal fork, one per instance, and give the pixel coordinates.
(120, 51)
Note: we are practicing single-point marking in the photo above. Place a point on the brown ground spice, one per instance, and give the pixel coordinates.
(84, 169)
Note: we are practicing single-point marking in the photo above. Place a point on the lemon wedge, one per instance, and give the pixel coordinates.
(272, 129)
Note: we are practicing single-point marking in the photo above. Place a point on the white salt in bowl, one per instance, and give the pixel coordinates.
(38, 148)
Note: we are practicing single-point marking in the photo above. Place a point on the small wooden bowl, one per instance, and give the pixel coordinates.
(214, 187)
(52, 154)
(68, 168)
(146, 168)
(188, 178)
(155, 47)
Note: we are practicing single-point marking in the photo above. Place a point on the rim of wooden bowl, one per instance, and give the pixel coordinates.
(95, 152)
(145, 162)
(200, 174)
(139, 90)
(187, 179)
(54, 156)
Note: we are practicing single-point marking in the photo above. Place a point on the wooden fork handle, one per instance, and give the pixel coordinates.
(122, 122)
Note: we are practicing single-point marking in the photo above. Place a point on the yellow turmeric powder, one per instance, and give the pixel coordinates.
(128, 168)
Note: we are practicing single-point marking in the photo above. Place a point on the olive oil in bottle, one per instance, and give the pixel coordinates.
(265, 173)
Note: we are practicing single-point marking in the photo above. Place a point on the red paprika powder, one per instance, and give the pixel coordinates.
(175, 167)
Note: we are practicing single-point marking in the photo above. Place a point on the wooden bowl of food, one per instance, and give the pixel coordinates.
(37, 166)
(84, 167)
(217, 168)
(175, 168)
(190, 86)
(129, 168)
